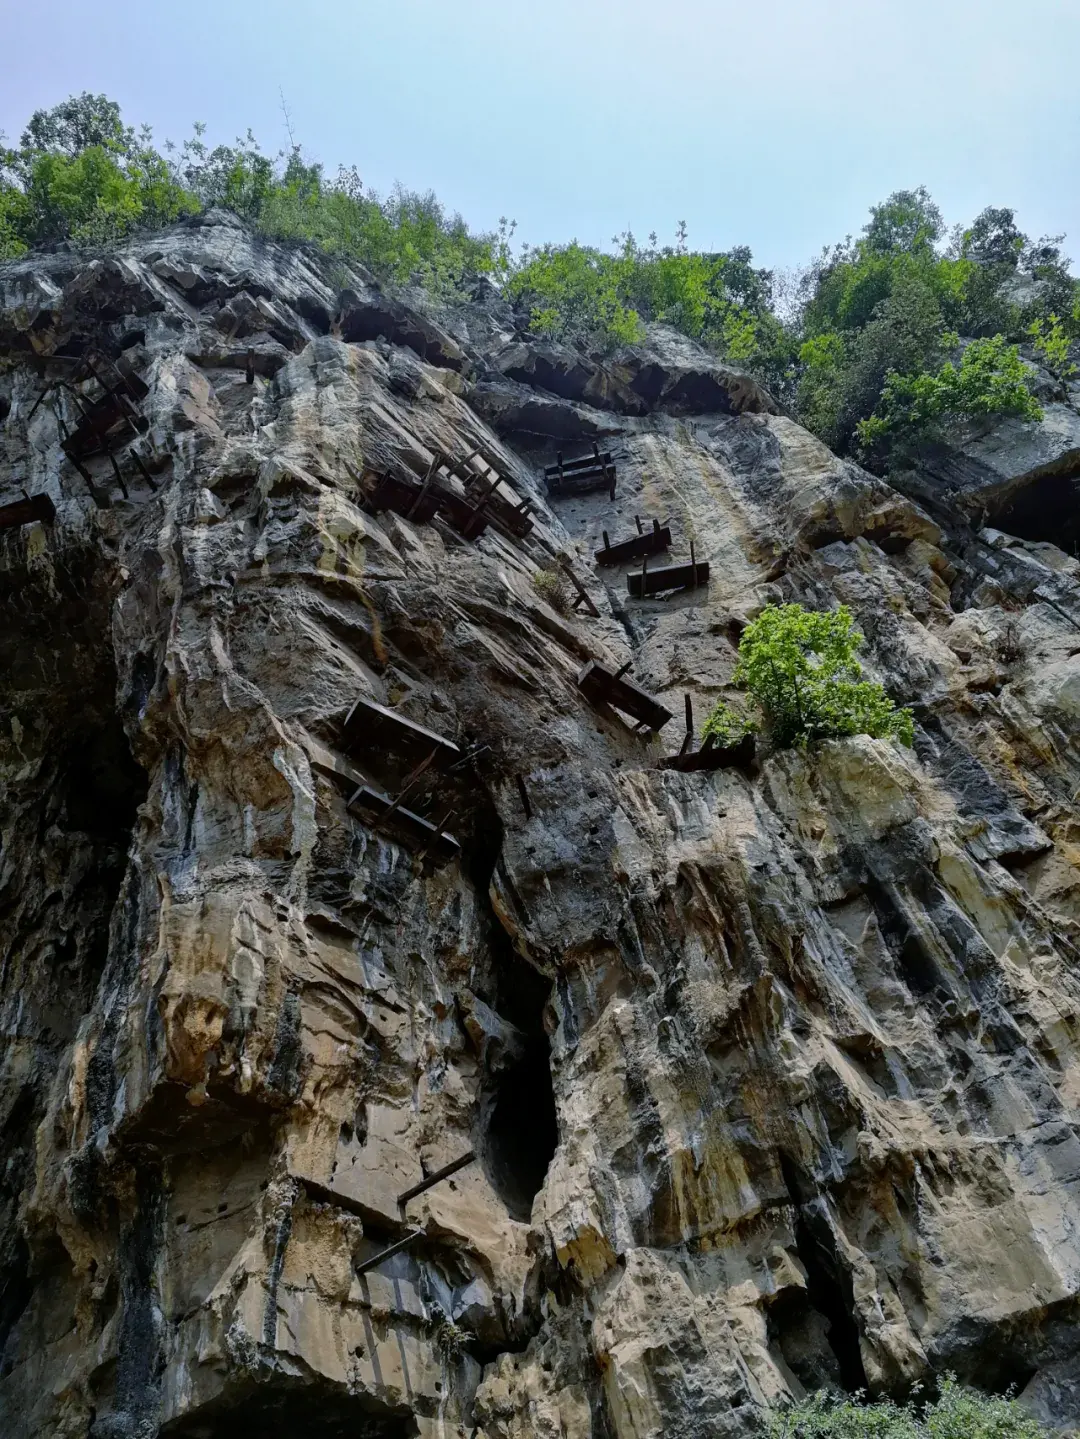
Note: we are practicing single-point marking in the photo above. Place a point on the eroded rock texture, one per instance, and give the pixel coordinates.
(772, 1075)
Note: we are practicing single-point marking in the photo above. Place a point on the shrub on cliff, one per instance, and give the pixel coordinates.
(799, 666)
(957, 1413)
(880, 314)
(990, 382)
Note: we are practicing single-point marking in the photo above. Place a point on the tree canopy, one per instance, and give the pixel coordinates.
(868, 355)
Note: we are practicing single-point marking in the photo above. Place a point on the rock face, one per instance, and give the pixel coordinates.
(771, 1075)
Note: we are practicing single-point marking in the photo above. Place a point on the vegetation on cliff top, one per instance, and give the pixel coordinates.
(865, 348)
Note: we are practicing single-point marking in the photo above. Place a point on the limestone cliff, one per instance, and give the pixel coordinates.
(771, 1072)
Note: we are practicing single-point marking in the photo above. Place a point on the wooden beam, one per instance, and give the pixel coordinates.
(26, 511)
(667, 577)
(388, 1252)
(583, 596)
(367, 803)
(440, 1174)
(600, 686)
(635, 547)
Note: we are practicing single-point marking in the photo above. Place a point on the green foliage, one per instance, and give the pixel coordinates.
(80, 175)
(450, 1339)
(551, 586)
(800, 667)
(991, 380)
(572, 294)
(957, 1413)
(1051, 341)
(725, 726)
(862, 356)
(600, 301)
(882, 312)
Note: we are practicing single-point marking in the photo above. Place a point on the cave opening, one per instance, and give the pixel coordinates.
(301, 1412)
(829, 1294)
(1047, 509)
(517, 1122)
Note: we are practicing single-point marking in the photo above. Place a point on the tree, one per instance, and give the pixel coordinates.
(991, 381)
(908, 222)
(799, 666)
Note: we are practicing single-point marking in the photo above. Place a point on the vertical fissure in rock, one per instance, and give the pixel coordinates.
(517, 1123)
(828, 1285)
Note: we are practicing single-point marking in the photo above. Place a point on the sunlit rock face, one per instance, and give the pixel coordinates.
(770, 1072)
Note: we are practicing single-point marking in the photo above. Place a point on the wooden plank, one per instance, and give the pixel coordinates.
(651, 542)
(389, 1251)
(372, 726)
(458, 511)
(391, 492)
(510, 518)
(667, 577)
(713, 757)
(368, 804)
(26, 511)
(599, 685)
(588, 472)
(567, 468)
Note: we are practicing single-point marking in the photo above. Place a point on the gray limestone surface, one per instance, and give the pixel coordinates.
(772, 1073)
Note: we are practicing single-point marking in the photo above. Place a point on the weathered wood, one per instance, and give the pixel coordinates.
(512, 519)
(371, 726)
(25, 512)
(582, 595)
(648, 542)
(524, 793)
(459, 512)
(600, 686)
(587, 472)
(388, 1252)
(714, 756)
(368, 804)
(440, 1174)
(391, 492)
(667, 577)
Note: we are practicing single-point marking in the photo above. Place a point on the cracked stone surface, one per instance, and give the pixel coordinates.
(771, 1074)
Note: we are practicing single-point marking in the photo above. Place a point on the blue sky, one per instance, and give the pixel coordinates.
(772, 123)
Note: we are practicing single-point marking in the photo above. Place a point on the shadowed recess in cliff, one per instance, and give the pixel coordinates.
(1047, 509)
(305, 1412)
(517, 1121)
(798, 1322)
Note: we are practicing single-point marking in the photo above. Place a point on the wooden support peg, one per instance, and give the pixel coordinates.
(637, 521)
(624, 669)
(410, 784)
(524, 793)
(688, 738)
(607, 542)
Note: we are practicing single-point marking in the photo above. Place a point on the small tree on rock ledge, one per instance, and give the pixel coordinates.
(800, 667)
